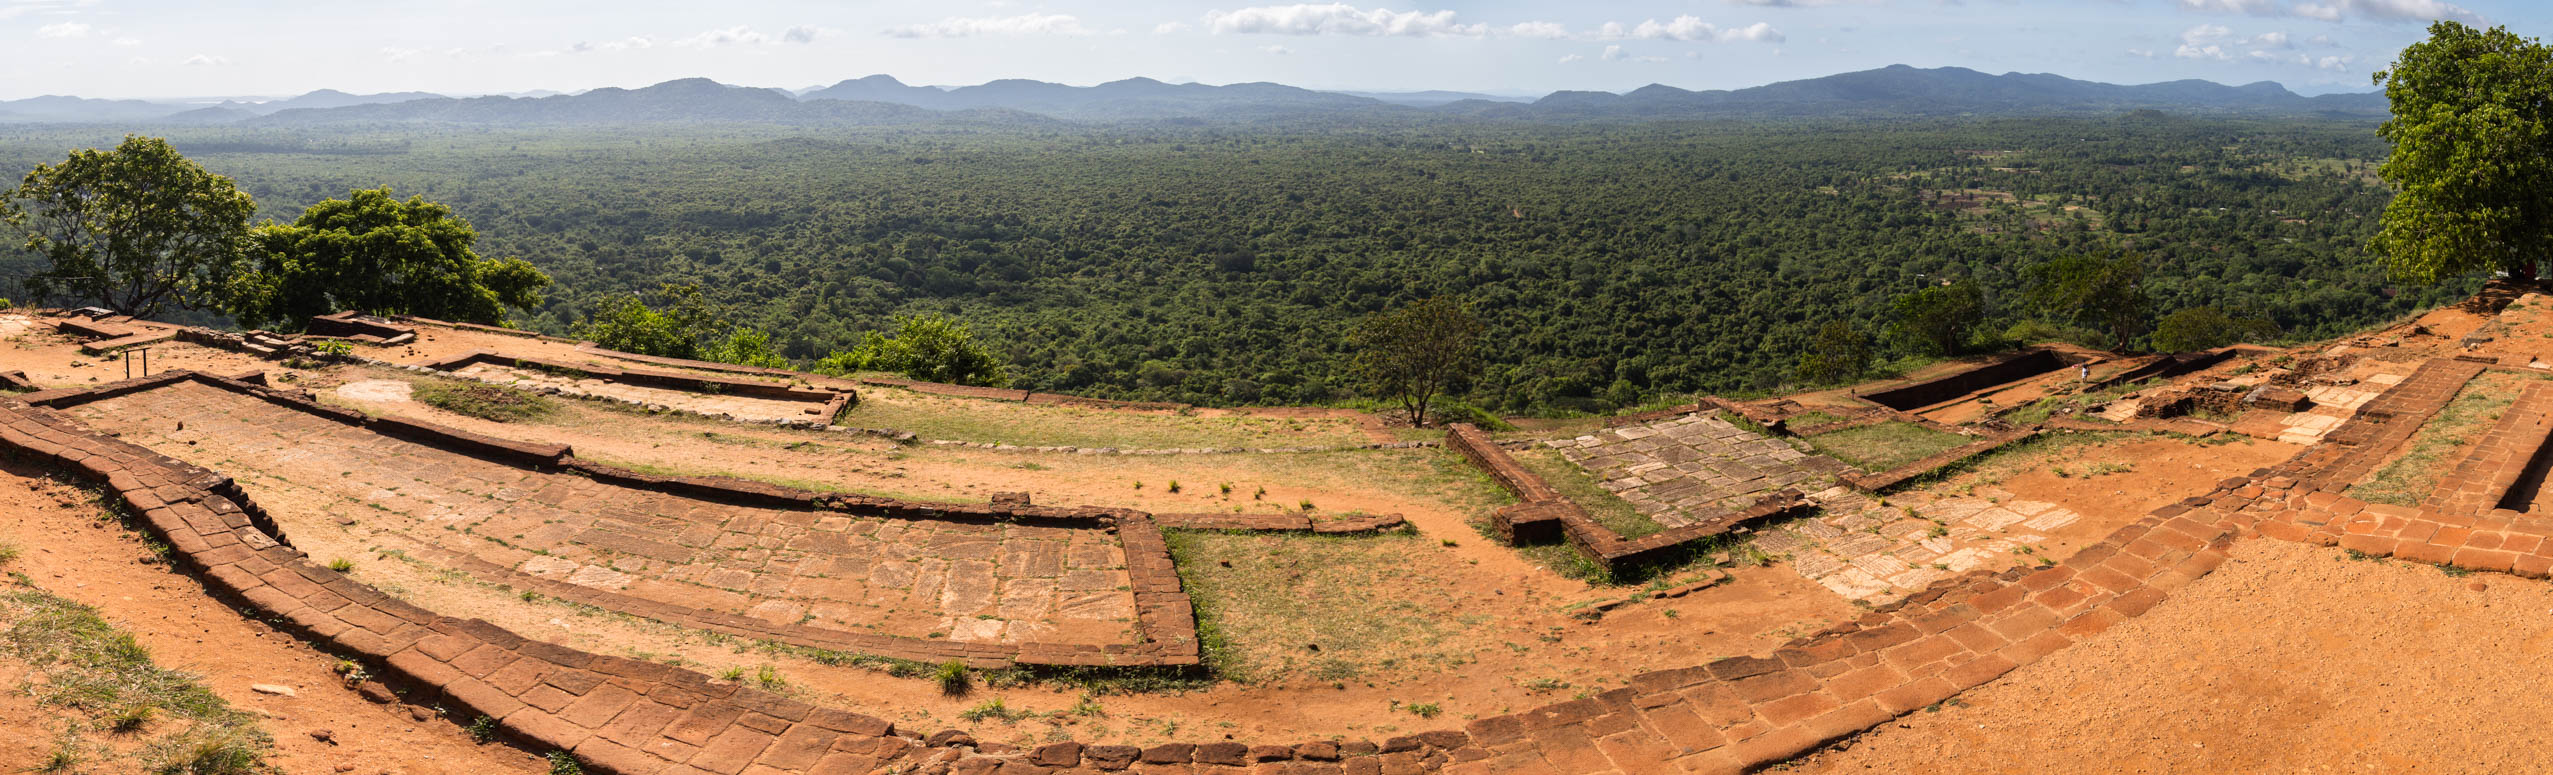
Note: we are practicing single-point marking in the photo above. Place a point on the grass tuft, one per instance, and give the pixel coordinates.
(495, 403)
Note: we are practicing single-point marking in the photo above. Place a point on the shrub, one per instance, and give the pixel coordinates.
(952, 676)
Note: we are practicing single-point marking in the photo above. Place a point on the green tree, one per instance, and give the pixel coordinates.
(132, 228)
(931, 348)
(1839, 353)
(1936, 320)
(2104, 293)
(1416, 353)
(2472, 162)
(629, 324)
(374, 253)
(746, 346)
(2202, 328)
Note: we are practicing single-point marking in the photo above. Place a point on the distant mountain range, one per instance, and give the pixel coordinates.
(882, 100)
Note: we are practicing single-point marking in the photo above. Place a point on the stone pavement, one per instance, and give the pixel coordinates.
(914, 579)
(742, 407)
(1865, 551)
(1683, 470)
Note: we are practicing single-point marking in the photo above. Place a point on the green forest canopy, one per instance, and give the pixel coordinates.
(1608, 264)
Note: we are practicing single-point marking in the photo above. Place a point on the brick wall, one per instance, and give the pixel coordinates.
(1930, 392)
(659, 379)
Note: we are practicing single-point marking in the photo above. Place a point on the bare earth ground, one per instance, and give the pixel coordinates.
(2289, 658)
(67, 550)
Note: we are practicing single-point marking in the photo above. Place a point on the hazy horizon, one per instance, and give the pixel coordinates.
(158, 49)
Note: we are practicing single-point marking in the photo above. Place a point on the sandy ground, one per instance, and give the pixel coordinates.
(2289, 658)
(68, 551)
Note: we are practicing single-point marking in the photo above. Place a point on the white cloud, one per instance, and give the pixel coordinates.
(128, 41)
(2270, 40)
(2253, 7)
(741, 35)
(395, 54)
(2202, 42)
(1339, 19)
(1613, 53)
(63, 30)
(2205, 33)
(631, 43)
(1759, 32)
(965, 27)
(2335, 10)
(2141, 53)
(2322, 40)
(208, 60)
(1544, 30)
(1170, 28)
(1568, 58)
(2340, 62)
(1688, 28)
(1277, 50)
(2406, 10)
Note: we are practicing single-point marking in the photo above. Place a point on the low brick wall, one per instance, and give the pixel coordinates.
(1281, 523)
(1546, 515)
(657, 379)
(484, 329)
(2166, 367)
(2353, 450)
(360, 327)
(1769, 420)
(1955, 386)
(2506, 468)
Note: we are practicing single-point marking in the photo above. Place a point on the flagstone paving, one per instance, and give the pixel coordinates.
(1683, 470)
(995, 583)
(1862, 550)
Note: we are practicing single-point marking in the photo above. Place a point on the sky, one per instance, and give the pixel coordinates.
(222, 48)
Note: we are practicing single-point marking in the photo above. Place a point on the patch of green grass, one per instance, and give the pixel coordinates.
(1273, 608)
(1884, 446)
(993, 709)
(79, 661)
(1606, 508)
(487, 402)
(2437, 447)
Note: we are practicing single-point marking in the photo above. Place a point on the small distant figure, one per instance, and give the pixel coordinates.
(2083, 372)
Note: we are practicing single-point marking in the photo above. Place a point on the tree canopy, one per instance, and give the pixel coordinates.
(132, 228)
(2203, 328)
(931, 348)
(1938, 319)
(375, 253)
(1414, 354)
(2472, 160)
(2103, 292)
